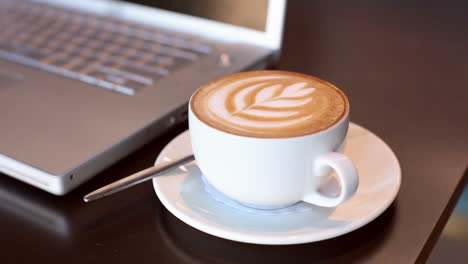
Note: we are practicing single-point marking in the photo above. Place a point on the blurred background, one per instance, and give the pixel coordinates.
(453, 242)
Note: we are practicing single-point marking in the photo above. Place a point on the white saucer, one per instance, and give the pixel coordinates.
(184, 193)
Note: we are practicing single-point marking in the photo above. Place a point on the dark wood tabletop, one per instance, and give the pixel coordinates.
(404, 66)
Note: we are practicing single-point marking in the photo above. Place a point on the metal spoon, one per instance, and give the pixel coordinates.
(135, 179)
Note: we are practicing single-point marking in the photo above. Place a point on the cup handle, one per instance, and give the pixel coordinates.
(347, 175)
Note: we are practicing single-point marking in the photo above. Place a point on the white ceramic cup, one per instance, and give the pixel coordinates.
(273, 173)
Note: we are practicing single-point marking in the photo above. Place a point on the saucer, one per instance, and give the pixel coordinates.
(186, 194)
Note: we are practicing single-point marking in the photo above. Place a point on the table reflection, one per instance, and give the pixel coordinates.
(192, 246)
(59, 218)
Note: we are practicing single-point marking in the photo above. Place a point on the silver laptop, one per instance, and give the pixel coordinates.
(84, 83)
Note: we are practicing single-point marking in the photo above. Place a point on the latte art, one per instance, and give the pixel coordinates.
(269, 104)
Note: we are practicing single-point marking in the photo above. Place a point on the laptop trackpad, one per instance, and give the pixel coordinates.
(9, 79)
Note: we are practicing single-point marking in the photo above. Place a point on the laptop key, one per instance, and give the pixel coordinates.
(125, 74)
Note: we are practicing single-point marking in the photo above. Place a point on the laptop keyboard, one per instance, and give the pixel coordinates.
(108, 53)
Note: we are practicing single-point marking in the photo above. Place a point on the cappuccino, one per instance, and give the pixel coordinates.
(269, 104)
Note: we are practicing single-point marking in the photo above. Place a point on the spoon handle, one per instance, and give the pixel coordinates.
(135, 179)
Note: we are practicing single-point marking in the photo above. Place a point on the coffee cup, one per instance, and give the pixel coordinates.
(268, 138)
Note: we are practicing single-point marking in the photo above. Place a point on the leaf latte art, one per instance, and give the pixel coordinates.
(269, 104)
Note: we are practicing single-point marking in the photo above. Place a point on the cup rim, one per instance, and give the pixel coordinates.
(344, 117)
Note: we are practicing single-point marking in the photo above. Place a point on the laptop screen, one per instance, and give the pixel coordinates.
(243, 13)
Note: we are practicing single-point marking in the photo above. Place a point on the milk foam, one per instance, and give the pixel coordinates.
(269, 104)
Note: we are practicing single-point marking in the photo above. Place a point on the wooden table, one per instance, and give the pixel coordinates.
(404, 67)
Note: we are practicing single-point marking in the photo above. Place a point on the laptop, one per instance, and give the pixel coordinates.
(85, 83)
